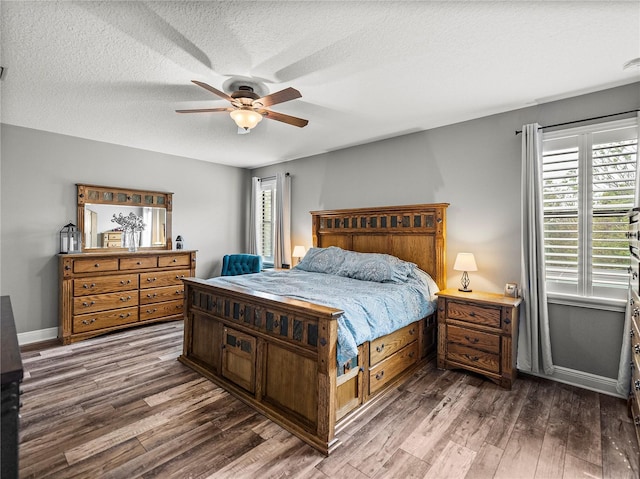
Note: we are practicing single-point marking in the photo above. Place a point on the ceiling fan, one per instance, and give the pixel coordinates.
(248, 108)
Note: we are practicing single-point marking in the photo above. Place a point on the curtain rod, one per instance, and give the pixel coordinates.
(586, 119)
(272, 177)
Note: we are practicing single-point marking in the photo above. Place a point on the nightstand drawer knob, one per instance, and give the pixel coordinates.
(472, 313)
(472, 340)
(636, 348)
(637, 384)
(507, 321)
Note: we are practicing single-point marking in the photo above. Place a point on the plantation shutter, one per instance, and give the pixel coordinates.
(589, 179)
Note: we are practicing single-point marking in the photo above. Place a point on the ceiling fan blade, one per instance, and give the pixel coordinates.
(215, 91)
(278, 97)
(290, 120)
(205, 110)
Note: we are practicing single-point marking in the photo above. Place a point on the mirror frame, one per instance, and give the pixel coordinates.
(107, 195)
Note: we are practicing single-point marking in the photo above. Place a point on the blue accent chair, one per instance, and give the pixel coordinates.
(235, 264)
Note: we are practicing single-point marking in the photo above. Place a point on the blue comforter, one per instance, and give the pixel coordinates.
(371, 309)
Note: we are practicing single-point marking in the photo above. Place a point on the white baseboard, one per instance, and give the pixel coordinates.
(37, 336)
(580, 379)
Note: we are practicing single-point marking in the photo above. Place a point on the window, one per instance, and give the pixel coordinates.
(589, 177)
(265, 208)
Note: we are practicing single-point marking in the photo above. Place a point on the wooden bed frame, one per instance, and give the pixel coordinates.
(278, 354)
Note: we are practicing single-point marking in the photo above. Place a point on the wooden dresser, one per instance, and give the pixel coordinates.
(634, 311)
(12, 374)
(103, 292)
(478, 332)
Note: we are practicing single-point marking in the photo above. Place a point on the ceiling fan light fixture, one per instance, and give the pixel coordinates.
(246, 118)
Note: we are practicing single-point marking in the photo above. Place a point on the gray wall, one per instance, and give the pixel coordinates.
(38, 174)
(474, 166)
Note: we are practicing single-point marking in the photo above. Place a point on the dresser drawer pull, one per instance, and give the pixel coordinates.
(138, 263)
(180, 291)
(125, 315)
(149, 311)
(180, 277)
(471, 358)
(379, 375)
(87, 304)
(152, 295)
(412, 354)
(87, 286)
(122, 298)
(472, 313)
(507, 321)
(380, 348)
(472, 340)
(175, 260)
(412, 331)
(88, 321)
(151, 280)
(123, 282)
(97, 265)
(636, 348)
(636, 421)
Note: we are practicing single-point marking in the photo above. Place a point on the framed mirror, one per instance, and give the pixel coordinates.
(100, 213)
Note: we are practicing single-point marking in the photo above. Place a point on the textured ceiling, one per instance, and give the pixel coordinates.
(116, 71)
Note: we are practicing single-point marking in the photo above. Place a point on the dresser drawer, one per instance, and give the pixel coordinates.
(158, 310)
(96, 264)
(106, 319)
(385, 346)
(474, 313)
(139, 262)
(162, 278)
(388, 369)
(475, 339)
(473, 357)
(101, 302)
(104, 284)
(175, 260)
(157, 295)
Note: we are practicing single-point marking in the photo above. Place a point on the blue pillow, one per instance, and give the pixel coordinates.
(376, 267)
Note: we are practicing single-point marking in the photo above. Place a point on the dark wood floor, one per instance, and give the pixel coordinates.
(121, 406)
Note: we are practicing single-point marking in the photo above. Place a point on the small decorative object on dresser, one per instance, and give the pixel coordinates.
(511, 290)
(478, 332)
(70, 239)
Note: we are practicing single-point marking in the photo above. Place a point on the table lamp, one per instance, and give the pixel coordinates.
(465, 262)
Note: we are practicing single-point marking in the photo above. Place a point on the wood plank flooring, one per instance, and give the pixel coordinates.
(121, 406)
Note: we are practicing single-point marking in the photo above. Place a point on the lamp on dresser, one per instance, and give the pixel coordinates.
(465, 262)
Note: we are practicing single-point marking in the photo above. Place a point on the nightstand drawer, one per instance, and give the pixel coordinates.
(474, 313)
(473, 357)
(475, 339)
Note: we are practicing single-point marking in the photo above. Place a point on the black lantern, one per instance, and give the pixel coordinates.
(70, 239)
(179, 242)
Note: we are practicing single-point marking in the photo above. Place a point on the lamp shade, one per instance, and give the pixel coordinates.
(298, 252)
(465, 262)
(246, 118)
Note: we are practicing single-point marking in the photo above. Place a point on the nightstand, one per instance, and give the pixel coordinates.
(478, 332)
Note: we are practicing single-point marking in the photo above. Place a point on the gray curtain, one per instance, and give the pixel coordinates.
(253, 228)
(282, 248)
(534, 344)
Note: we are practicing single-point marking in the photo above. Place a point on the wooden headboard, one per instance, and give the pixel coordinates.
(415, 233)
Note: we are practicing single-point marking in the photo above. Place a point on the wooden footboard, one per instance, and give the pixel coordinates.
(279, 356)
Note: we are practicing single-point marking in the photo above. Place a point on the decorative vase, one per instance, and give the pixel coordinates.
(132, 240)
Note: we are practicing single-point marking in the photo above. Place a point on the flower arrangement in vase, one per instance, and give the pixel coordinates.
(131, 225)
